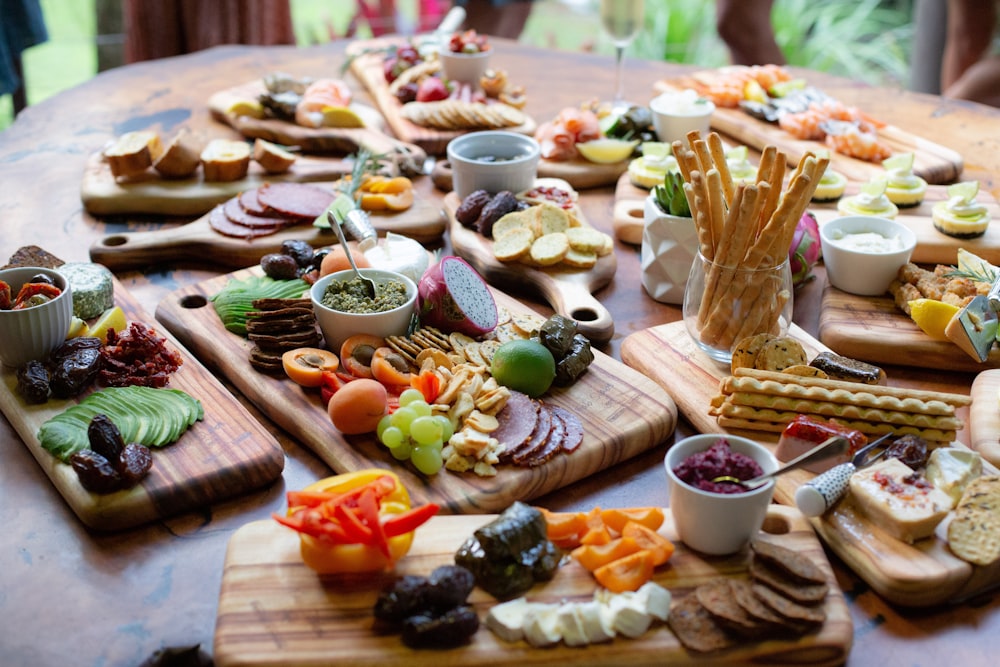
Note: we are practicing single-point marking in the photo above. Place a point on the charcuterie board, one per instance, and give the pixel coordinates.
(623, 413)
(102, 194)
(579, 173)
(919, 575)
(569, 291)
(197, 240)
(984, 416)
(366, 65)
(874, 329)
(276, 612)
(933, 162)
(226, 454)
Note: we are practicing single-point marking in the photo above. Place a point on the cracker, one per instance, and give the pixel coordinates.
(770, 576)
(780, 353)
(718, 600)
(695, 627)
(974, 532)
(746, 351)
(788, 609)
(514, 220)
(552, 219)
(585, 239)
(550, 249)
(527, 324)
(743, 595)
(487, 349)
(790, 562)
(804, 370)
(512, 244)
(579, 259)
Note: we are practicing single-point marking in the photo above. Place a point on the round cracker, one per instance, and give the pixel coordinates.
(745, 354)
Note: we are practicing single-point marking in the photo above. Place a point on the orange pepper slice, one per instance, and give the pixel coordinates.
(661, 547)
(628, 573)
(615, 519)
(593, 556)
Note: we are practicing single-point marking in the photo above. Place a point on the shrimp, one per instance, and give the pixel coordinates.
(725, 94)
(582, 124)
(768, 75)
(804, 125)
(320, 95)
(851, 141)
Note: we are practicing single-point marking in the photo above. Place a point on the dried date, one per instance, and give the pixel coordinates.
(135, 462)
(469, 210)
(74, 366)
(452, 628)
(105, 438)
(503, 202)
(300, 251)
(280, 266)
(96, 473)
(33, 382)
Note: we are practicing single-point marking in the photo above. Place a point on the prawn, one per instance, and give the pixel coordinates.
(804, 125)
(848, 139)
(320, 95)
(582, 124)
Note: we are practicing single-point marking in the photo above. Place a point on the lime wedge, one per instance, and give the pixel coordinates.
(899, 162)
(783, 88)
(655, 150)
(967, 190)
(607, 151)
(340, 207)
(875, 187)
(737, 154)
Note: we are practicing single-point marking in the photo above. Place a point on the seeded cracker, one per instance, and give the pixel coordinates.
(695, 628)
(974, 532)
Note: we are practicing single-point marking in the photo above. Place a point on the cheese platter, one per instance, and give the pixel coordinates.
(921, 574)
(226, 454)
(275, 611)
(623, 413)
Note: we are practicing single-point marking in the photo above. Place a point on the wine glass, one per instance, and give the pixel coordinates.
(622, 19)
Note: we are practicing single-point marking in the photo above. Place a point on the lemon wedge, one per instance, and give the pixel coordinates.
(932, 316)
(112, 318)
(607, 151)
(77, 328)
(971, 263)
(341, 117)
(251, 108)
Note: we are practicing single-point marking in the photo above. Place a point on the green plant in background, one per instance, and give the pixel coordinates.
(670, 196)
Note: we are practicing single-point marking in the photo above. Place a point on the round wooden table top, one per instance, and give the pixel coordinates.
(77, 597)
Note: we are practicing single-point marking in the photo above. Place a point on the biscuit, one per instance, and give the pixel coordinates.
(585, 239)
(789, 562)
(717, 598)
(745, 354)
(804, 370)
(695, 627)
(788, 609)
(579, 259)
(550, 249)
(780, 353)
(770, 576)
(512, 244)
(974, 532)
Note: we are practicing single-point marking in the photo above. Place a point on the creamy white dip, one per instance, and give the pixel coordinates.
(684, 103)
(867, 242)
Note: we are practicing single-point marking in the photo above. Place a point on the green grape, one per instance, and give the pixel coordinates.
(421, 408)
(393, 437)
(409, 396)
(427, 460)
(383, 424)
(402, 418)
(402, 452)
(425, 430)
(447, 430)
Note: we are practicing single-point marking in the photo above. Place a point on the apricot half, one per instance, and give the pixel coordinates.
(390, 368)
(356, 354)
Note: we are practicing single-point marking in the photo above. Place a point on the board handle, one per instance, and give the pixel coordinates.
(575, 301)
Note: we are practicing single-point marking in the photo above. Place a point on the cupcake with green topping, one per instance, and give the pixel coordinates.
(903, 187)
(961, 216)
(872, 200)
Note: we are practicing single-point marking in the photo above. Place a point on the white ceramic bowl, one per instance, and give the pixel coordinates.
(676, 114)
(465, 67)
(337, 326)
(717, 523)
(33, 333)
(492, 161)
(864, 268)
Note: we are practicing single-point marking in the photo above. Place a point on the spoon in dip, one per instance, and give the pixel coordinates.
(832, 446)
(368, 283)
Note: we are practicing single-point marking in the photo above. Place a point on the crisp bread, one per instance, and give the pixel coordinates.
(790, 562)
(695, 627)
(771, 576)
(788, 609)
(717, 598)
(974, 531)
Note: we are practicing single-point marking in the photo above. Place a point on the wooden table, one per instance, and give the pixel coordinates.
(71, 596)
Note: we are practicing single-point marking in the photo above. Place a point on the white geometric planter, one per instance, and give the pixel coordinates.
(669, 246)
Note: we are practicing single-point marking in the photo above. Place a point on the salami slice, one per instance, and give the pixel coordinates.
(536, 442)
(218, 221)
(241, 216)
(517, 421)
(574, 429)
(250, 204)
(299, 200)
(553, 442)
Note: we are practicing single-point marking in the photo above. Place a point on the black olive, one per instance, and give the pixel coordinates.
(300, 251)
(42, 278)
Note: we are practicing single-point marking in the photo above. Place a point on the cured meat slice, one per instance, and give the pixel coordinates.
(536, 442)
(517, 422)
(553, 442)
(241, 216)
(250, 204)
(574, 429)
(218, 221)
(299, 200)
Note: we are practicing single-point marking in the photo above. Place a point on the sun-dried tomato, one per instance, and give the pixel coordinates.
(5, 302)
(29, 291)
(137, 356)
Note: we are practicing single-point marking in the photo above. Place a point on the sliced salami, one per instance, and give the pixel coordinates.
(236, 213)
(553, 442)
(517, 422)
(299, 200)
(536, 442)
(218, 221)
(574, 429)
(250, 204)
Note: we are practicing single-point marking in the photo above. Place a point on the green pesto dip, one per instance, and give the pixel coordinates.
(350, 296)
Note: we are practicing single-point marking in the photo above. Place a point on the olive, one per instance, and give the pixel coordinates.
(280, 266)
(299, 250)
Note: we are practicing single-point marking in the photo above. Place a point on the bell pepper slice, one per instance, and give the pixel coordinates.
(407, 522)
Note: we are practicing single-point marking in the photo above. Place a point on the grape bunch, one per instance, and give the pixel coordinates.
(413, 433)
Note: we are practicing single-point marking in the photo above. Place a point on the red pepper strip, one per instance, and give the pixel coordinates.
(353, 525)
(382, 486)
(29, 290)
(407, 522)
(5, 302)
(368, 506)
(309, 524)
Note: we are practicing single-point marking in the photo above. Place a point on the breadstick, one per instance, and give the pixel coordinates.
(704, 157)
(957, 400)
(685, 160)
(719, 157)
(698, 202)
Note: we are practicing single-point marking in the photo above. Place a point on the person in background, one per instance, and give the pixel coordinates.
(499, 18)
(745, 27)
(23, 26)
(163, 28)
(970, 70)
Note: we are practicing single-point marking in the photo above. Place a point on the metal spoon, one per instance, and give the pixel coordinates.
(367, 282)
(832, 446)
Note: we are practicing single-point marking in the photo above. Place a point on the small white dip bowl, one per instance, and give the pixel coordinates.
(492, 161)
(863, 253)
(676, 114)
(337, 326)
(33, 333)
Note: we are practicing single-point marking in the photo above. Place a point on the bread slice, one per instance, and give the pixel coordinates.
(513, 244)
(549, 249)
(180, 157)
(272, 157)
(133, 153)
(225, 160)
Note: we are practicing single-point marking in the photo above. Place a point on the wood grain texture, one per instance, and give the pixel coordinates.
(933, 162)
(366, 66)
(579, 173)
(628, 217)
(569, 291)
(984, 416)
(623, 413)
(197, 240)
(919, 575)
(226, 454)
(874, 329)
(274, 611)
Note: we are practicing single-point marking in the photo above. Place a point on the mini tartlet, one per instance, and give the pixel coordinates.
(872, 200)
(831, 186)
(740, 166)
(903, 187)
(961, 216)
(647, 171)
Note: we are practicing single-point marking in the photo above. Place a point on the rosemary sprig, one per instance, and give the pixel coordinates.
(985, 276)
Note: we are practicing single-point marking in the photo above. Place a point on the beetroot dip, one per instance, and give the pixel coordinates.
(698, 470)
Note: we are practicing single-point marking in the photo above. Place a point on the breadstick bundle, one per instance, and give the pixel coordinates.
(744, 234)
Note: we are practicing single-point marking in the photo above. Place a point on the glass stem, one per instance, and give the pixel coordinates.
(619, 99)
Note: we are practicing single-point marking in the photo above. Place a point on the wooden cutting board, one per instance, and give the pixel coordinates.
(919, 575)
(197, 240)
(874, 329)
(984, 416)
(579, 173)
(569, 291)
(275, 612)
(366, 65)
(628, 217)
(226, 454)
(623, 413)
(102, 194)
(933, 162)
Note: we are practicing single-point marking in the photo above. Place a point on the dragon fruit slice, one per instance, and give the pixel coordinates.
(453, 297)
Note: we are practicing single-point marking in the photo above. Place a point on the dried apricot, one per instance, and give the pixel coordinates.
(390, 368)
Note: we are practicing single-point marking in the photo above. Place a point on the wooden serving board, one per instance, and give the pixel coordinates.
(623, 413)
(276, 612)
(984, 416)
(226, 454)
(874, 329)
(628, 217)
(933, 162)
(579, 173)
(569, 291)
(919, 575)
(102, 194)
(366, 65)
(197, 240)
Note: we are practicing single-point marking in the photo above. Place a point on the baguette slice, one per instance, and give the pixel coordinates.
(180, 158)
(272, 157)
(133, 153)
(225, 160)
